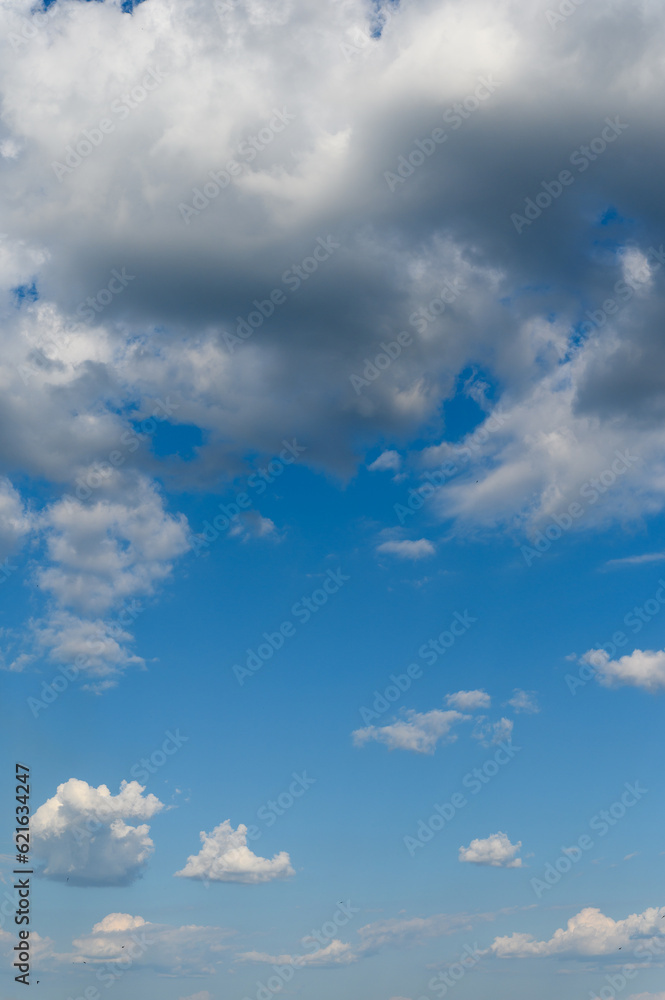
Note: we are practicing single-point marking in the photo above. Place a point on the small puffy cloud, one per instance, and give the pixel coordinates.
(493, 732)
(641, 668)
(336, 953)
(80, 834)
(202, 995)
(124, 941)
(225, 857)
(588, 933)
(387, 460)
(524, 701)
(496, 851)
(417, 731)
(407, 549)
(467, 701)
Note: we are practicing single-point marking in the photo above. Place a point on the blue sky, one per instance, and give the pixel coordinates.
(332, 550)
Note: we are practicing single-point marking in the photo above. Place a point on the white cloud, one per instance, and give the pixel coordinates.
(524, 701)
(225, 857)
(417, 731)
(98, 648)
(467, 701)
(588, 933)
(493, 732)
(407, 549)
(110, 548)
(335, 953)
(120, 941)
(387, 460)
(496, 851)
(647, 557)
(80, 834)
(201, 995)
(393, 933)
(641, 668)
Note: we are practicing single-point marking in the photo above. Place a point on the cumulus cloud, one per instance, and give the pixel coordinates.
(589, 933)
(641, 668)
(225, 857)
(81, 834)
(120, 941)
(75, 379)
(417, 731)
(407, 549)
(524, 701)
(467, 701)
(496, 851)
(201, 995)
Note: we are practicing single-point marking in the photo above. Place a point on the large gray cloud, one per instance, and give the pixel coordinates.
(337, 112)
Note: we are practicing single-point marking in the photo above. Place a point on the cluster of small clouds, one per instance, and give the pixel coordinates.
(81, 835)
(422, 732)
